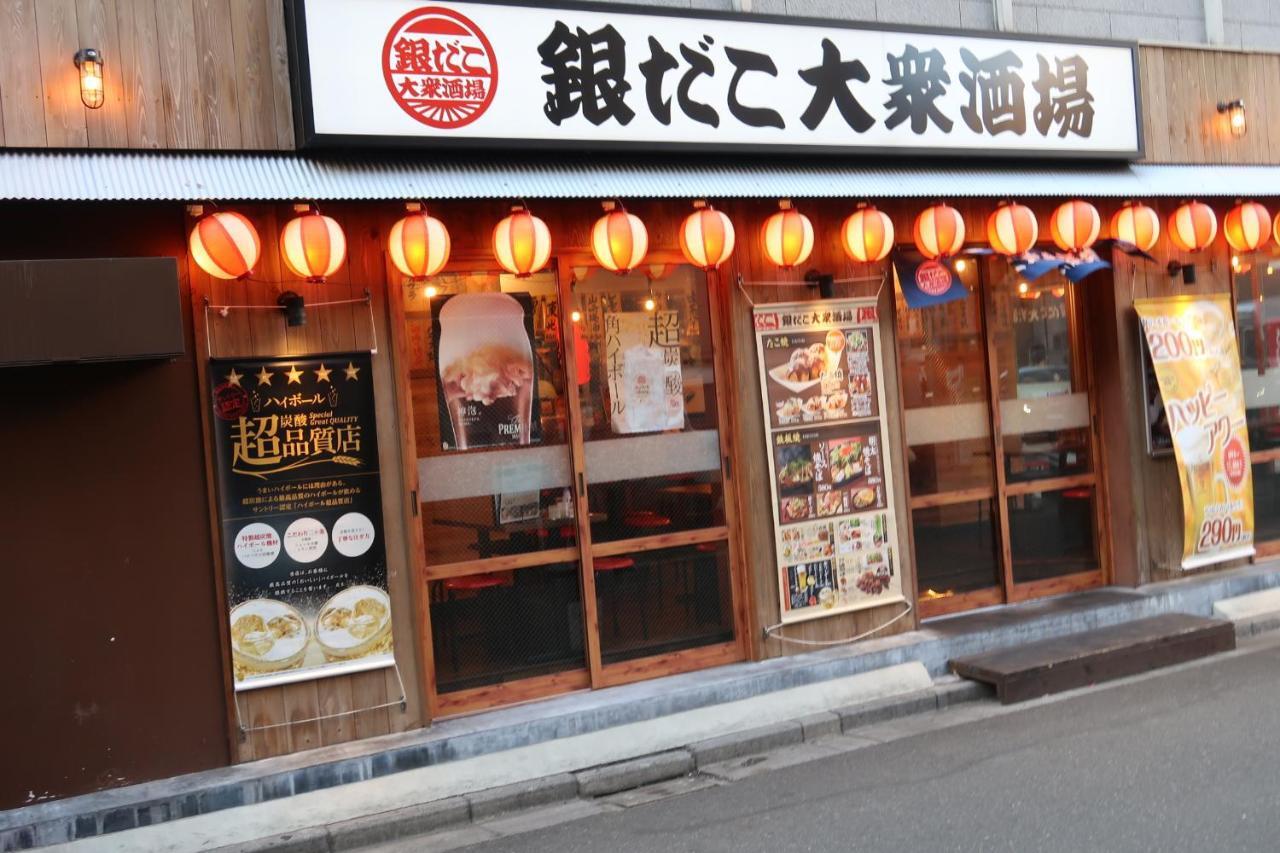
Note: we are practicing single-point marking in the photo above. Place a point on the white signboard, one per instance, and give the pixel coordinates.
(467, 74)
(642, 361)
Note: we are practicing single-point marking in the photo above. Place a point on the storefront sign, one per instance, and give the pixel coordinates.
(301, 508)
(1192, 344)
(487, 377)
(642, 362)
(405, 71)
(835, 530)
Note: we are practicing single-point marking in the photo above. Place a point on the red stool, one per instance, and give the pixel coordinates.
(468, 584)
(646, 518)
(613, 568)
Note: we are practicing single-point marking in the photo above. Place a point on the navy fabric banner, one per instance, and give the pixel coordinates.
(925, 282)
(1075, 266)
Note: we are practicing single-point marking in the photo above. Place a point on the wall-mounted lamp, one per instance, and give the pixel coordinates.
(89, 61)
(295, 308)
(825, 282)
(1236, 118)
(1188, 271)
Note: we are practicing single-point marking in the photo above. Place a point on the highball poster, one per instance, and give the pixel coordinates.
(301, 508)
(1192, 344)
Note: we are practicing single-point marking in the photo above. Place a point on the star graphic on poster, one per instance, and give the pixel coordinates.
(352, 371)
(322, 375)
(234, 378)
(294, 374)
(264, 376)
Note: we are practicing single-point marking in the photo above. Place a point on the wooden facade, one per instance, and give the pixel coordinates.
(214, 75)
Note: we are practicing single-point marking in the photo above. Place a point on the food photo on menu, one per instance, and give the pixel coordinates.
(795, 468)
(819, 376)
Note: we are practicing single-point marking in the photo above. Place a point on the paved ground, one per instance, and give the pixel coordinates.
(1187, 759)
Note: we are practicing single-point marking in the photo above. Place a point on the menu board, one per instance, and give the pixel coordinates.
(300, 502)
(823, 405)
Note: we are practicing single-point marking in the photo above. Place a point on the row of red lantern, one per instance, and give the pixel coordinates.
(313, 246)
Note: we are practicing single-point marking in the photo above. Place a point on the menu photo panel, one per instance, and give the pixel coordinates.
(823, 406)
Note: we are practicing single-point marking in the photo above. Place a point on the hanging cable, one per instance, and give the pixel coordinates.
(771, 632)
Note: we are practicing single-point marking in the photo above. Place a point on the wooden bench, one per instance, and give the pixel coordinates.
(1076, 660)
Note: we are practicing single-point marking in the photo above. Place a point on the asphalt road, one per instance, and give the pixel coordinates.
(1186, 760)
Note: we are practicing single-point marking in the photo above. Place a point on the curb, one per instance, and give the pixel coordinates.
(610, 778)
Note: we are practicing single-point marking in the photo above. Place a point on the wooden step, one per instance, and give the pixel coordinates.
(1076, 660)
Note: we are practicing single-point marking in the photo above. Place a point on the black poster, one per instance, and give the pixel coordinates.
(301, 510)
(487, 369)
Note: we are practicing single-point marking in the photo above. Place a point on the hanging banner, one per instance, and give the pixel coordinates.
(925, 283)
(642, 362)
(1075, 266)
(467, 74)
(1192, 344)
(300, 503)
(823, 402)
(488, 378)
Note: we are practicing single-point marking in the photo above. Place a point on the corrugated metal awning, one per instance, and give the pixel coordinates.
(131, 176)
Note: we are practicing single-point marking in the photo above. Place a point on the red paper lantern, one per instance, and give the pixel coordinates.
(1247, 226)
(313, 246)
(939, 231)
(1193, 226)
(706, 238)
(1012, 229)
(522, 243)
(867, 235)
(225, 245)
(619, 241)
(419, 245)
(1075, 225)
(1136, 224)
(787, 237)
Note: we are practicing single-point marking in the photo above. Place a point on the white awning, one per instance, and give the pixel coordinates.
(171, 176)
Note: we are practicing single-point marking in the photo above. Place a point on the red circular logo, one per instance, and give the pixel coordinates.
(230, 401)
(933, 278)
(439, 67)
(1233, 462)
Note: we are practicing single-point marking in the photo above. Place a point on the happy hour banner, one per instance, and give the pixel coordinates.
(1192, 344)
(301, 508)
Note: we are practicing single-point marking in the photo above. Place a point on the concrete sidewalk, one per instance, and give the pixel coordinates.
(502, 733)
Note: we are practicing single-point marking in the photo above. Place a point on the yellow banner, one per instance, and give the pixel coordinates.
(1192, 343)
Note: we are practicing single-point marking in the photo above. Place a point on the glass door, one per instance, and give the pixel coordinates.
(658, 571)
(575, 508)
(947, 413)
(1044, 420)
(1000, 437)
(488, 392)
(1257, 308)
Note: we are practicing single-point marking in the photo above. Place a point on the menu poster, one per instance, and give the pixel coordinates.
(819, 376)
(642, 362)
(486, 373)
(1192, 344)
(823, 404)
(300, 505)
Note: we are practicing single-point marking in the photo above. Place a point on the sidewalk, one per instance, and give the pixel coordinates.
(587, 730)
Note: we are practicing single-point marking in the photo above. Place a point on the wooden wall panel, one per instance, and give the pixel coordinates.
(58, 38)
(107, 127)
(139, 59)
(180, 74)
(283, 720)
(1181, 89)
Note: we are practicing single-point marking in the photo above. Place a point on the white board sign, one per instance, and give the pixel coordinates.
(465, 74)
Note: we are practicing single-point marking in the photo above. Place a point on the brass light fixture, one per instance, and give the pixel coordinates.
(89, 61)
(1236, 118)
